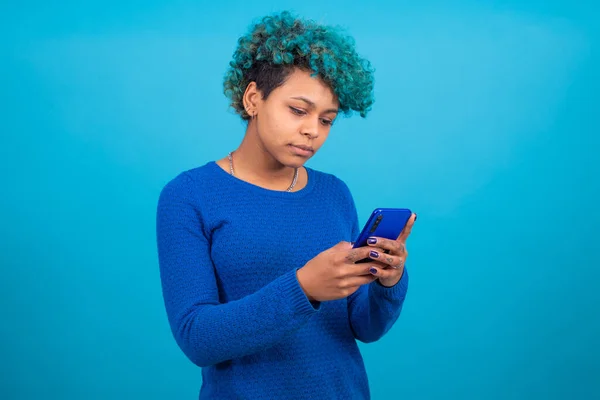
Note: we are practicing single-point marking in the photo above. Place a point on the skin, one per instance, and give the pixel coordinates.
(265, 157)
(321, 282)
(300, 113)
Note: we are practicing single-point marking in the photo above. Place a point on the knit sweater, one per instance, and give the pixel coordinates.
(228, 254)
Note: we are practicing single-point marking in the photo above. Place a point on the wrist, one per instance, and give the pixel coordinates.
(392, 281)
(300, 276)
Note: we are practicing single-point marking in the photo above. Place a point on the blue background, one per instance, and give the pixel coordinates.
(484, 124)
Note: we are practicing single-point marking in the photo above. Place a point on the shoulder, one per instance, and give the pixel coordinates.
(331, 183)
(189, 183)
(325, 177)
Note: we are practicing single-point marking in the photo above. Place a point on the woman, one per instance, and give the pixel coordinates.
(259, 279)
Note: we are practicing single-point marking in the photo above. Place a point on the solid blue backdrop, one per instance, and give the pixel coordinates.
(483, 124)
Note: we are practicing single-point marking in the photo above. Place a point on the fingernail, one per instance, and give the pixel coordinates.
(371, 240)
(374, 254)
(373, 270)
(415, 216)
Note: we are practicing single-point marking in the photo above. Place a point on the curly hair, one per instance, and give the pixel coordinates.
(279, 43)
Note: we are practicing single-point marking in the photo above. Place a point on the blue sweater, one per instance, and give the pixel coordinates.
(228, 253)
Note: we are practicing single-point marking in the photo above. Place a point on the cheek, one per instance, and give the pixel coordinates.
(321, 139)
(324, 134)
(282, 127)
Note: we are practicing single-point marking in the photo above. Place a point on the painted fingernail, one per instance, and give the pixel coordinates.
(374, 254)
(371, 240)
(415, 216)
(373, 270)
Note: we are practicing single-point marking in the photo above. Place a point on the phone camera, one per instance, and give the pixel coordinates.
(376, 224)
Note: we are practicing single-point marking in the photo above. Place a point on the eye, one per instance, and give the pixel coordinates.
(297, 111)
(326, 121)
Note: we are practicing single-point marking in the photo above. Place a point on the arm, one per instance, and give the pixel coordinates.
(207, 331)
(373, 309)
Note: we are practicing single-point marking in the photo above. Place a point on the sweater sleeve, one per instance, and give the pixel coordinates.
(207, 331)
(373, 309)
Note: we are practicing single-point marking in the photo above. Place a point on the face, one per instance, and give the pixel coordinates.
(295, 120)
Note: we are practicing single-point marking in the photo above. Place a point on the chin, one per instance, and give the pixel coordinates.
(297, 162)
(294, 163)
(297, 157)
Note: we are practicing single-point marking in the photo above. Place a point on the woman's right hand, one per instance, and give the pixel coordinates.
(333, 274)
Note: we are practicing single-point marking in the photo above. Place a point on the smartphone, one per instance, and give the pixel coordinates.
(384, 222)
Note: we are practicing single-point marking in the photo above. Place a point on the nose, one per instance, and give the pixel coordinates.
(311, 129)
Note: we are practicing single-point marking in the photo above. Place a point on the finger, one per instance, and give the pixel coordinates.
(381, 273)
(342, 246)
(393, 246)
(407, 229)
(389, 260)
(359, 269)
(359, 280)
(353, 255)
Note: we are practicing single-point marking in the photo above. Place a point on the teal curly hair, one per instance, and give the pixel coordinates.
(279, 43)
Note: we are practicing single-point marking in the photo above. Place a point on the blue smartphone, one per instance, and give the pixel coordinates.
(384, 222)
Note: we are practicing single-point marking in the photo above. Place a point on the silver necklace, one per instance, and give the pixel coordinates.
(229, 156)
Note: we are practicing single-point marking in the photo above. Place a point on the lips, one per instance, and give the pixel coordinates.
(307, 148)
(302, 150)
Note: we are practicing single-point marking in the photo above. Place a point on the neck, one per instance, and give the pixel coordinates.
(253, 162)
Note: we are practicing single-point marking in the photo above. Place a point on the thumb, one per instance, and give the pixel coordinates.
(342, 246)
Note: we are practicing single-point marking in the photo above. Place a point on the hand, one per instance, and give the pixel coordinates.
(333, 275)
(390, 266)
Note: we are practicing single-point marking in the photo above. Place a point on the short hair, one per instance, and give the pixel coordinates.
(279, 43)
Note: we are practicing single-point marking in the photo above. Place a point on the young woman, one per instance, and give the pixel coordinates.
(259, 277)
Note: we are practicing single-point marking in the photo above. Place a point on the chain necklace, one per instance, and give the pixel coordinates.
(230, 157)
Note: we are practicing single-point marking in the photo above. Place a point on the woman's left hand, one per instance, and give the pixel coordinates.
(390, 266)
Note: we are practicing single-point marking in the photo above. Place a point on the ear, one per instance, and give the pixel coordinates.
(252, 98)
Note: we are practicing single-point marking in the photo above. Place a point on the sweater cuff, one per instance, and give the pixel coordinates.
(398, 291)
(299, 302)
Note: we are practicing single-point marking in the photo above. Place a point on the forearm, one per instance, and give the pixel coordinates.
(374, 309)
(212, 333)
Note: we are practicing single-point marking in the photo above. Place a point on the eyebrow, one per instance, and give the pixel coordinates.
(313, 105)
